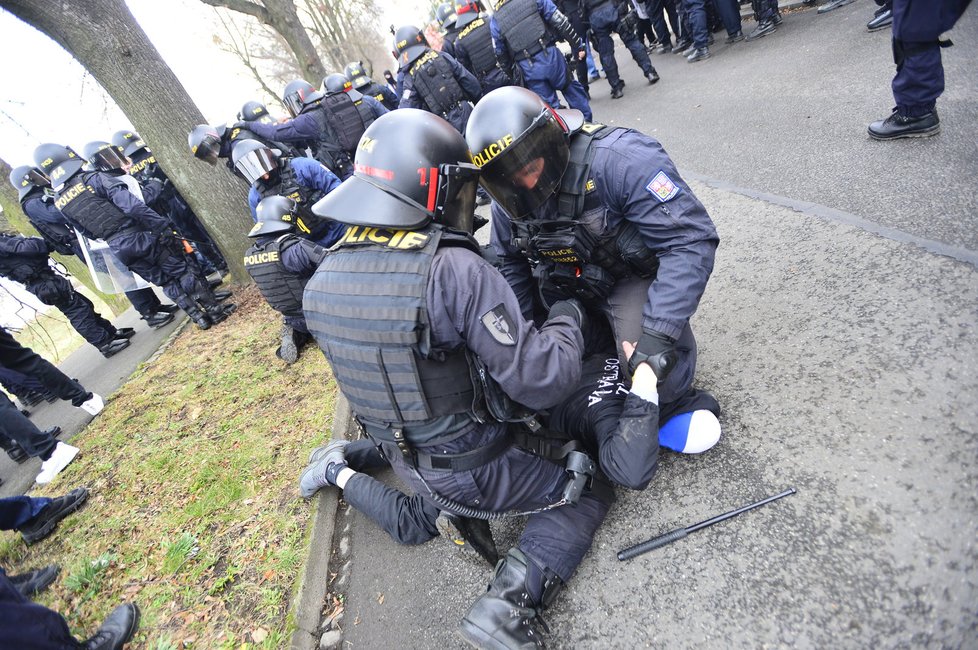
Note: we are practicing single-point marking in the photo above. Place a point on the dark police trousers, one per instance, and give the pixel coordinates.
(52, 289)
(604, 20)
(25, 624)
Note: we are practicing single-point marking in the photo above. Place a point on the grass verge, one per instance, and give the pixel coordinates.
(194, 511)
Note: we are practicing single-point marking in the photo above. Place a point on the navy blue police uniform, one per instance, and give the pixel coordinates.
(446, 89)
(633, 200)
(521, 32)
(604, 17)
(281, 265)
(306, 181)
(25, 260)
(474, 49)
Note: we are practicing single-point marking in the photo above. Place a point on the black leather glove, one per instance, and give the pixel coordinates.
(572, 308)
(657, 350)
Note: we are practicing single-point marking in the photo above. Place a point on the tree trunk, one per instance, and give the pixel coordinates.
(17, 220)
(105, 38)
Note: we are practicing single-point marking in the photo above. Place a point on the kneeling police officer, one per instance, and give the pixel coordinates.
(280, 262)
(410, 317)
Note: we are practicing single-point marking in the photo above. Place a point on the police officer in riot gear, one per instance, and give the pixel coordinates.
(599, 213)
(368, 107)
(39, 208)
(433, 81)
(410, 210)
(211, 143)
(280, 263)
(302, 179)
(362, 82)
(329, 125)
(523, 32)
(102, 207)
(605, 17)
(25, 260)
(162, 197)
(474, 49)
(445, 17)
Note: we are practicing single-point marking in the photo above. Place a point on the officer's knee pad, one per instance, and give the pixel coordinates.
(690, 433)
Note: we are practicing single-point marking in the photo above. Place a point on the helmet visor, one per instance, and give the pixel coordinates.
(293, 103)
(526, 173)
(255, 164)
(457, 185)
(209, 148)
(109, 158)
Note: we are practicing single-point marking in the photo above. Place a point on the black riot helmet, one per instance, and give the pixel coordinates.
(129, 142)
(466, 11)
(252, 111)
(357, 74)
(411, 168)
(521, 145)
(205, 143)
(253, 160)
(445, 16)
(27, 179)
(409, 44)
(275, 214)
(336, 83)
(58, 163)
(298, 94)
(105, 157)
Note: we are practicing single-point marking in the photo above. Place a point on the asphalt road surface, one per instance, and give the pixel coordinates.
(837, 331)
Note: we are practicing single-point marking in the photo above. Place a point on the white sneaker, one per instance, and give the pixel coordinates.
(60, 458)
(94, 405)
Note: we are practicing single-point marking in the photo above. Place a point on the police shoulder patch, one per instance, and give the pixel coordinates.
(499, 324)
(662, 187)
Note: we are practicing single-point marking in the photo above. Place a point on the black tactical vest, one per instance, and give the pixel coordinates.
(366, 306)
(345, 119)
(100, 217)
(20, 267)
(307, 223)
(375, 90)
(435, 83)
(522, 26)
(476, 38)
(280, 287)
(572, 254)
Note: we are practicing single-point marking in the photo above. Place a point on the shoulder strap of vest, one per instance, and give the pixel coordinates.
(573, 185)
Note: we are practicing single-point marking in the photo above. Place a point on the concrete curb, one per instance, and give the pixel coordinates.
(315, 581)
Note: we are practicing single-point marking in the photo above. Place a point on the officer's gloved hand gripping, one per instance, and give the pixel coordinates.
(574, 309)
(657, 350)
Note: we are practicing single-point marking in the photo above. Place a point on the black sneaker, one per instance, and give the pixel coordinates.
(777, 19)
(682, 46)
(699, 55)
(116, 630)
(114, 346)
(169, 309)
(898, 126)
(41, 526)
(831, 5)
(124, 332)
(652, 76)
(882, 20)
(34, 582)
(763, 28)
(618, 91)
(17, 453)
(736, 37)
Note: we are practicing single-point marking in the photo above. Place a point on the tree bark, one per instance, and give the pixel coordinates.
(105, 38)
(281, 16)
(17, 220)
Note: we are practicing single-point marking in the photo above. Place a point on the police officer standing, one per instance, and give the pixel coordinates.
(50, 223)
(521, 32)
(330, 126)
(599, 213)
(445, 17)
(362, 83)
(433, 81)
(25, 260)
(281, 263)
(605, 17)
(102, 207)
(474, 49)
(160, 195)
(369, 108)
(919, 79)
(403, 353)
(302, 179)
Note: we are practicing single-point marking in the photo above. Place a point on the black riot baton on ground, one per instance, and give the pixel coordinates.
(679, 533)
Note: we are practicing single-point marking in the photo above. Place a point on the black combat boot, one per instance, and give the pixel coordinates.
(198, 316)
(219, 313)
(507, 616)
(472, 536)
(116, 630)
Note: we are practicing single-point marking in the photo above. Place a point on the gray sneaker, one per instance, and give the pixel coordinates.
(287, 351)
(324, 464)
